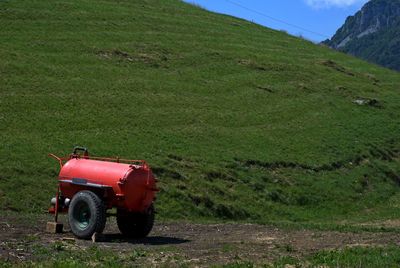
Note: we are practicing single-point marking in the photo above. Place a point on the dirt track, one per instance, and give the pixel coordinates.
(193, 244)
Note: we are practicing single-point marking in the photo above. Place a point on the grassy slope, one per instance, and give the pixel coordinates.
(240, 122)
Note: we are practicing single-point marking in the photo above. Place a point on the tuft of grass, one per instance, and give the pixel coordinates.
(369, 256)
(58, 254)
(247, 264)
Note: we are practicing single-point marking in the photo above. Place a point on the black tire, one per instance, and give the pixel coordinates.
(86, 214)
(135, 225)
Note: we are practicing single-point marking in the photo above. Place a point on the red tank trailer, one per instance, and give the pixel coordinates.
(89, 186)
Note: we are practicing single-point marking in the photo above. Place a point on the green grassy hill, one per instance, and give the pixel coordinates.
(240, 122)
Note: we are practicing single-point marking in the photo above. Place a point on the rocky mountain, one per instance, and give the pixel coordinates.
(373, 34)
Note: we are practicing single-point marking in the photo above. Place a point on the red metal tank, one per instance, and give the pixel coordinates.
(128, 186)
(125, 184)
(88, 186)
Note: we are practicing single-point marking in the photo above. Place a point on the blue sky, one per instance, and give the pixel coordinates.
(310, 16)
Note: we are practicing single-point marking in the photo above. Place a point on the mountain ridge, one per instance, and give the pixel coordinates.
(373, 34)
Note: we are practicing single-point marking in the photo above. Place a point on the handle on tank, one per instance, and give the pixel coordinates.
(79, 148)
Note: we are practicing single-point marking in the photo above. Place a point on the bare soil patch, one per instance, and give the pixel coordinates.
(188, 243)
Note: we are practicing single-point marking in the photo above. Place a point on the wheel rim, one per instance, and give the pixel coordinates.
(82, 215)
